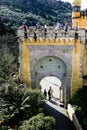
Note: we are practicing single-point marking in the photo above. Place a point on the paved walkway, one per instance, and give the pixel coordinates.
(60, 114)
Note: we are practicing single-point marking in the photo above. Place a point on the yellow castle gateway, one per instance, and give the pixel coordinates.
(56, 54)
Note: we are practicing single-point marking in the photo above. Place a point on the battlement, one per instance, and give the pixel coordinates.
(48, 41)
(52, 37)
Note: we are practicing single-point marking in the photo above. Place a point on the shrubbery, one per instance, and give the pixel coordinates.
(80, 103)
(39, 122)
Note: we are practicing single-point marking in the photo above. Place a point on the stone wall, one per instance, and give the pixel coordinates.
(73, 117)
(59, 52)
(67, 49)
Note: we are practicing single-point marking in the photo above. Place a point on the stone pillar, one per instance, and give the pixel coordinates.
(61, 94)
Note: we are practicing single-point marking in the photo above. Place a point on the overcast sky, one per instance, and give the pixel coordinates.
(84, 3)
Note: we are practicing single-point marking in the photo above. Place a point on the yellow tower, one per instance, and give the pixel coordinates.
(76, 12)
(79, 16)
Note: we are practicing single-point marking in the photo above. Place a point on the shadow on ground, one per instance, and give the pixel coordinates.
(62, 121)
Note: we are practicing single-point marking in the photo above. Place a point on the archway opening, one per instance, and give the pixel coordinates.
(54, 83)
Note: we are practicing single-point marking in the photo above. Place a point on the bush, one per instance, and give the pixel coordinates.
(79, 100)
(18, 103)
(39, 122)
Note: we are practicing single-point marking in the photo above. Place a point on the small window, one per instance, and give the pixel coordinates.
(58, 66)
(50, 60)
(41, 66)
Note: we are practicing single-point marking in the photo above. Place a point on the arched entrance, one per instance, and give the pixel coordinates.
(49, 66)
(55, 84)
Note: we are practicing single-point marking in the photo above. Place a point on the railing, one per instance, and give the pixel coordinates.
(51, 33)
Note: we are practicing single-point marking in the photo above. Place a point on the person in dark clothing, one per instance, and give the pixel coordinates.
(45, 93)
(50, 93)
(66, 28)
(76, 31)
(35, 35)
(25, 28)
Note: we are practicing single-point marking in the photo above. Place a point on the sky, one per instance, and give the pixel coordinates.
(84, 3)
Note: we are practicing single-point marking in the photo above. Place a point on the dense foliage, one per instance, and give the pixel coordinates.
(2, 28)
(39, 122)
(7, 65)
(18, 103)
(8, 56)
(20, 108)
(8, 53)
(14, 12)
(79, 101)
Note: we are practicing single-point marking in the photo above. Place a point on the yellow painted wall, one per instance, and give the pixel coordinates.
(60, 41)
(76, 81)
(25, 54)
(82, 22)
(75, 14)
(25, 62)
(85, 60)
(85, 63)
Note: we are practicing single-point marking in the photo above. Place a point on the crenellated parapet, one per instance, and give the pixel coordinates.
(48, 41)
(58, 37)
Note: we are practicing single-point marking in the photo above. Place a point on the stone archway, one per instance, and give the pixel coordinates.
(50, 66)
(54, 51)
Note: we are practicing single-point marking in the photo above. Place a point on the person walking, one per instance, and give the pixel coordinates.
(50, 93)
(45, 93)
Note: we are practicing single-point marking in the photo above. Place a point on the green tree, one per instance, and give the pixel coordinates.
(8, 56)
(19, 103)
(2, 28)
(9, 41)
(7, 64)
(44, 11)
(39, 122)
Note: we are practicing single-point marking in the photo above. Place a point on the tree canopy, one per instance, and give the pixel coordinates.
(39, 122)
(15, 12)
